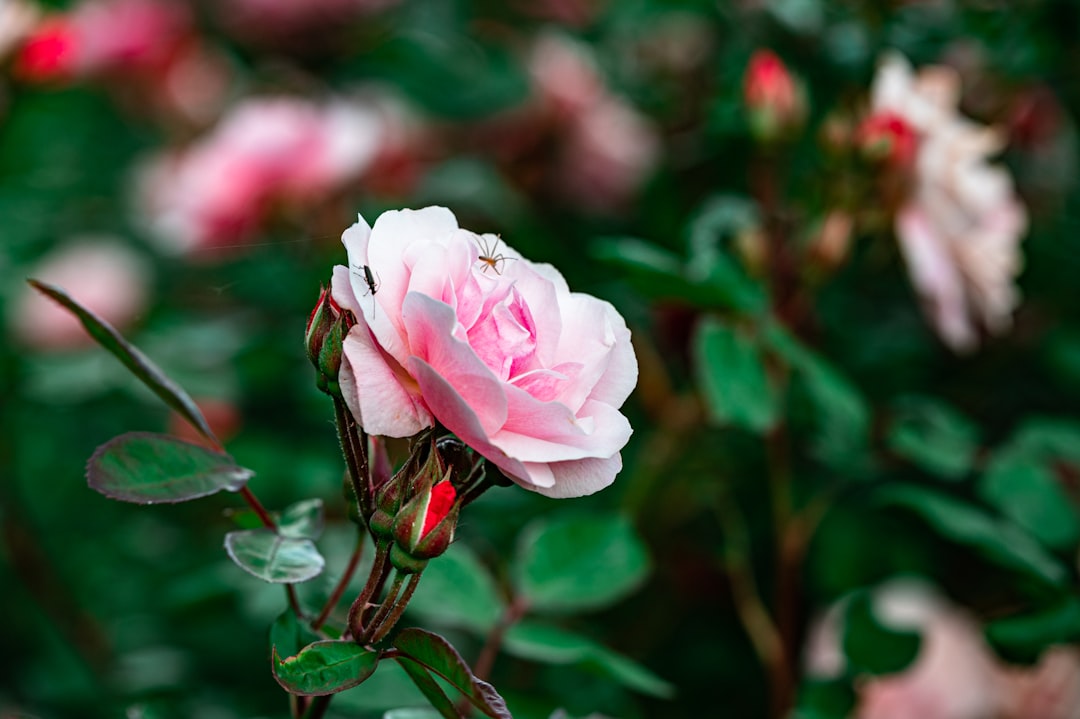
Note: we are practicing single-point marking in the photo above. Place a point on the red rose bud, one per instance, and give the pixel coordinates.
(49, 53)
(775, 101)
(886, 137)
(425, 527)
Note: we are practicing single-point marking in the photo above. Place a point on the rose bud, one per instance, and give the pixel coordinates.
(326, 329)
(425, 526)
(886, 137)
(775, 101)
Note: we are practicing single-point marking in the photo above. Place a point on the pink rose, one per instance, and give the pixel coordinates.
(101, 274)
(458, 328)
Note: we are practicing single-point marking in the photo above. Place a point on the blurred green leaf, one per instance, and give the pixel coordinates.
(934, 436)
(998, 541)
(830, 699)
(1025, 636)
(554, 645)
(713, 234)
(1022, 481)
(424, 64)
(416, 713)
(139, 364)
(325, 667)
(872, 647)
(1030, 495)
(458, 590)
(303, 520)
(147, 468)
(435, 654)
(575, 563)
(841, 415)
(272, 557)
(734, 382)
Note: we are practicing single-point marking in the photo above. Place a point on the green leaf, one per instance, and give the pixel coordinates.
(1025, 480)
(713, 233)
(554, 645)
(430, 688)
(303, 520)
(133, 358)
(731, 373)
(573, 563)
(458, 591)
(1026, 636)
(840, 413)
(147, 468)
(934, 436)
(288, 635)
(436, 655)
(1028, 493)
(870, 646)
(272, 557)
(325, 667)
(999, 541)
(416, 713)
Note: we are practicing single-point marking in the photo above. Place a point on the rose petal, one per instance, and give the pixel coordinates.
(577, 478)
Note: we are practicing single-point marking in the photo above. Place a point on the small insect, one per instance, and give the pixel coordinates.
(488, 254)
(369, 278)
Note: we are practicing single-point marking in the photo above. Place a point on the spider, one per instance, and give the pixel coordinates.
(488, 255)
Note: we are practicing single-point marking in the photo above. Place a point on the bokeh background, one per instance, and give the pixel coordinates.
(833, 500)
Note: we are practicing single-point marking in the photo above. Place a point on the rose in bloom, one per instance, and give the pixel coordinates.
(960, 227)
(101, 274)
(459, 329)
(1049, 690)
(267, 151)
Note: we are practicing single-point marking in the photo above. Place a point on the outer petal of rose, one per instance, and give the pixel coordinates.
(378, 391)
(393, 232)
(457, 416)
(373, 391)
(431, 327)
(621, 375)
(577, 478)
(355, 240)
(548, 432)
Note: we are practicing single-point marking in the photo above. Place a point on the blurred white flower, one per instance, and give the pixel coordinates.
(17, 19)
(100, 273)
(961, 226)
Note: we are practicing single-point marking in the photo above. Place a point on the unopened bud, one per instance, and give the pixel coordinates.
(775, 101)
(425, 526)
(327, 327)
(831, 245)
(886, 137)
(49, 53)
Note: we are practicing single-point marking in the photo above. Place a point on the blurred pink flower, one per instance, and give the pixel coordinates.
(102, 274)
(458, 328)
(266, 151)
(961, 226)
(954, 675)
(605, 148)
(100, 36)
(1049, 690)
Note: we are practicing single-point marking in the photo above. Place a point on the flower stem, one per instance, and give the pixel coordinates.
(399, 608)
(339, 590)
(759, 625)
(354, 447)
(486, 660)
(380, 568)
(384, 608)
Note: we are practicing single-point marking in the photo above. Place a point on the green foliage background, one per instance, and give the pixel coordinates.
(904, 457)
